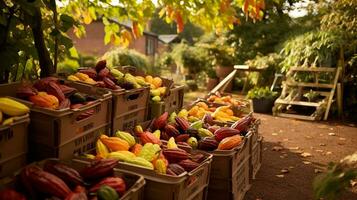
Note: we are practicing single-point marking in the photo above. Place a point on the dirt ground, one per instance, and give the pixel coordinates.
(300, 148)
(320, 142)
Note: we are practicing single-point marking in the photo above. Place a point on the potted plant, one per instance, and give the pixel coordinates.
(262, 98)
(212, 79)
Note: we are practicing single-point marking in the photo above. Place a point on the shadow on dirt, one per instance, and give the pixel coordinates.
(272, 184)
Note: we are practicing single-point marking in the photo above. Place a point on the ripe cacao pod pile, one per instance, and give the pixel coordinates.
(145, 150)
(60, 181)
(199, 133)
(51, 93)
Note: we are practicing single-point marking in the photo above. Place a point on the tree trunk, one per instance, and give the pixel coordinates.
(44, 58)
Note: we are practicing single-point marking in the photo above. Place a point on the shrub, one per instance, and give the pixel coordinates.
(126, 57)
(261, 92)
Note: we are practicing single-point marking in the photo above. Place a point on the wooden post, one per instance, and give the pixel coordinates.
(329, 102)
(339, 100)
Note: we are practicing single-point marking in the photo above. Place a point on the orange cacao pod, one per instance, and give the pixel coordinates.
(230, 142)
(147, 137)
(45, 100)
(115, 143)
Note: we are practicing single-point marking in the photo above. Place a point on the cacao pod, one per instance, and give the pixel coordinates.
(176, 169)
(127, 137)
(198, 157)
(208, 144)
(25, 92)
(64, 172)
(42, 84)
(118, 184)
(207, 118)
(243, 124)
(99, 168)
(10, 194)
(182, 138)
(48, 183)
(175, 155)
(229, 143)
(104, 72)
(115, 143)
(100, 65)
(136, 149)
(90, 72)
(160, 166)
(182, 123)
(147, 137)
(188, 164)
(161, 121)
(76, 196)
(204, 133)
(224, 132)
(171, 131)
(66, 103)
(109, 83)
(67, 91)
(45, 100)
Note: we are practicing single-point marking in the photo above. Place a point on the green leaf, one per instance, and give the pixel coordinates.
(67, 22)
(73, 52)
(66, 41)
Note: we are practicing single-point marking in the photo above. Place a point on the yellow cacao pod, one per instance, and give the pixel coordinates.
(141, 162)
(12, 108)
(101, 150)
(171, 144)
(125, 156)
(127, 137)
(160, 166)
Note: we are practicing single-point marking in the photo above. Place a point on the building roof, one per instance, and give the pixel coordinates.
(127, 24)
(168, 38)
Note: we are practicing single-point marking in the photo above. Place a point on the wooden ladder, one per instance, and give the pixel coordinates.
(293, 91)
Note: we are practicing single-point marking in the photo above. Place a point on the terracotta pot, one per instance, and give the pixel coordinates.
(211, 83)
(222, 72)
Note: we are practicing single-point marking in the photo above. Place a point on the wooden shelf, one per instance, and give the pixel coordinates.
(304, 84)
(299, 103)
(313, 69)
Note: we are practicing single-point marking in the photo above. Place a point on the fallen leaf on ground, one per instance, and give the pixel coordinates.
(280, 131)
(342, 138)
(306, 162)
(308, 137)
(353, 183)
(298, 151)
(322, 144)
(341, 143)
(275, 134)
(294, 148)
(322, 126)
(331, 129)
(280, 175)
(286, 139)
(284, 171)
(277, 148)
(332, 134)
(317, 171)
(306, 154)
(328, 153)
(319, 150)
(291, 167)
